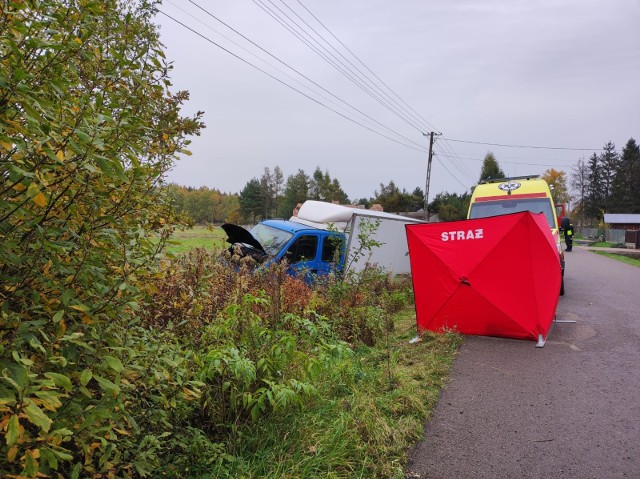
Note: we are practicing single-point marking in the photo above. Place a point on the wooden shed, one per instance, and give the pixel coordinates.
(627, 222)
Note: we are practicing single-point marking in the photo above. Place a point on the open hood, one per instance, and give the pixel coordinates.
(237, 234)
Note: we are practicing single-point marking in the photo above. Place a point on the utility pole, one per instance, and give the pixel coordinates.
(426, 190)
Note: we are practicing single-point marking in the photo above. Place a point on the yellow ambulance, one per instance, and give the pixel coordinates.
(514, 195)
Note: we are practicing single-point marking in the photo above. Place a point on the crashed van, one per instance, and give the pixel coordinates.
(324, 238)
(515, 195)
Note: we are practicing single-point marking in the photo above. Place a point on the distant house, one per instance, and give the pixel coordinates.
(622, 221)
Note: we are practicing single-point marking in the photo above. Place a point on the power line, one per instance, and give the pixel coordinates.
(523, 146)
(361, 73)
(458, 165)
(368, 69)
(452, 175)
(286, 84)
(396, 108)
(349, 75)
(517, 162)
(373, 120)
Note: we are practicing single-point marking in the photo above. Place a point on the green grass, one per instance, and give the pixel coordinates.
(210, 238)
(620, 257)
(364, 419)
(604, 244)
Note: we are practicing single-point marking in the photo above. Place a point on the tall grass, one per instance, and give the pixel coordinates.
(363, 420)
(297, 381)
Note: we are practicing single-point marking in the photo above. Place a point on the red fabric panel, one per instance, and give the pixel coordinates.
(495, 276)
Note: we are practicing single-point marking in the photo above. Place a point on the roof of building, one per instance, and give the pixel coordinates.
(611, 218)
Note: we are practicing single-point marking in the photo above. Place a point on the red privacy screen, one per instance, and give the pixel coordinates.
(496, 276)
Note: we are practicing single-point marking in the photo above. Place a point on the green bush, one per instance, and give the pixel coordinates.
(251, 366)
(88, 127)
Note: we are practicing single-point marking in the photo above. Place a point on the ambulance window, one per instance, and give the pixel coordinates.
(485, 209)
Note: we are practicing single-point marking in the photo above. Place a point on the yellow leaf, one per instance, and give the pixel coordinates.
(6, 146)
(189, 393)
(60, 155)
(122, 431)
(13, 452)
(80, 307)
(61, 328)
(78, 41)
(40, 199)
(35, 453)
(19, 187)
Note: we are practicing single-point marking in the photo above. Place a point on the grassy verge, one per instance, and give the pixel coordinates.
(288, 380)
(620, 257)
(211, 238)
(604, 244)
(363, 420)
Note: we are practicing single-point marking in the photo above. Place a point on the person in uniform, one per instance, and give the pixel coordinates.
(568, 236)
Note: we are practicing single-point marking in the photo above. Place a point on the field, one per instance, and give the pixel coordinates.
(210, 238)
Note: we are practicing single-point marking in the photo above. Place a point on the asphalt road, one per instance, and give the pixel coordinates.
(568, 410)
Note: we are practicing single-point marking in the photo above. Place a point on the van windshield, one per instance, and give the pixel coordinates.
(272, 239)
(484, 209)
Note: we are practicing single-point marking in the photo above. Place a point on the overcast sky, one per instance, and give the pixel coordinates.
(547, 73)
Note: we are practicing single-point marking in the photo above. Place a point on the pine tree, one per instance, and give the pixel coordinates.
(278, 182)
(625, 186)
(250, 199)
(268, 195)
(337, 193)
(296, 191)
(319, 185)
(609, 160)
(595, 192)
(490, 168)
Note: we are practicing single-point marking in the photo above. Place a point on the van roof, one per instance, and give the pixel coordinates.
(289, 226)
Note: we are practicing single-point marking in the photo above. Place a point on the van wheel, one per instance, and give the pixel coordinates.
(562, 287)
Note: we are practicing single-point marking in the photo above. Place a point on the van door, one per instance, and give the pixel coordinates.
(332, 254)
(302, 255)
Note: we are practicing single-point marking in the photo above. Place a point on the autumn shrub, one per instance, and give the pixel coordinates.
(88, 128)
(190, 291)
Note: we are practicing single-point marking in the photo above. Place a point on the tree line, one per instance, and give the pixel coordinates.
(608, 182)
(271, 196)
